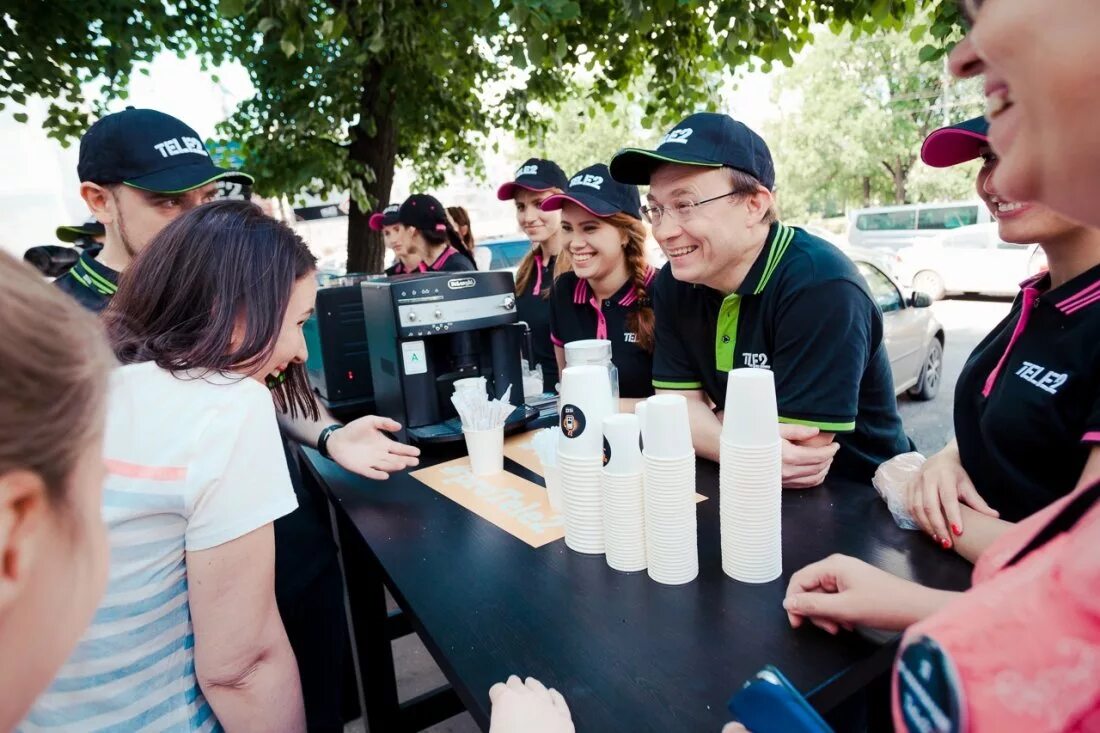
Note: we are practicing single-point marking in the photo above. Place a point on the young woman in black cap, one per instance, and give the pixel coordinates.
(386, 221)
(424, 229)
(605, 296)
(1027, 404)
(536, 180)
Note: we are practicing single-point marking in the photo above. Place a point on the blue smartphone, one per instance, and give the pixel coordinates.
(769, 703)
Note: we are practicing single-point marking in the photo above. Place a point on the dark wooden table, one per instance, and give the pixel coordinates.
(627, 653)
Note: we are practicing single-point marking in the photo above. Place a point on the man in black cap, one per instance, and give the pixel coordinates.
(139, 169)
(742, 290)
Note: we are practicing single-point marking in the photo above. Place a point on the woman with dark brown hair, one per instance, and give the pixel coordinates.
(605, 296)
(424, 229)
(207, 323)
(535, 181)
(54, 363)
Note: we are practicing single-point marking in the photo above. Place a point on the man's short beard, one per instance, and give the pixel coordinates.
(122, 235)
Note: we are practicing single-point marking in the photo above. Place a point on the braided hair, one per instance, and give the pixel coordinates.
(641, 276)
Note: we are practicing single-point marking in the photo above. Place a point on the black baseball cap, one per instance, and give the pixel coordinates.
(90, 228)
(149, 150)
(534, 175)
(422, 211)
(705, 139)
(955, 144)
(385, 218)
(594, 190)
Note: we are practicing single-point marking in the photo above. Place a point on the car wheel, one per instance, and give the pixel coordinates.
(927, 281)
(931, 374)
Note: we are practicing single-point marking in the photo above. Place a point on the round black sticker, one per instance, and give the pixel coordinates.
(572, 421)
(606, 451)
(930, 694)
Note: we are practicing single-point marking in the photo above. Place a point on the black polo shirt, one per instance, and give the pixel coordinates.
(533, 307)
(452, 261)
(1027, 403)
(90, 282)
(576, 314)
(398, 268)
(804, 312)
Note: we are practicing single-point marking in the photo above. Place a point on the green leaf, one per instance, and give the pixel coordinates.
(266, 24)
(231, 8)
(20, 116)
(287, 47)
(929, 53)
(918, 33)
(560, 49)
(536, 49)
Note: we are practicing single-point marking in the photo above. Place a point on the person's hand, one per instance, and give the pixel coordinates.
(843, 592)
(528, 707)
(807, 456)
(362, 447)
(934, 494)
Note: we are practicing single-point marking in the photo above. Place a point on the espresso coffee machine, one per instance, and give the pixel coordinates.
(336, 337)
(428, 330)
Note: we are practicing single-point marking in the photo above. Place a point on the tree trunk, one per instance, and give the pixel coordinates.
(899, 172)
(866, 191)
(378, 152)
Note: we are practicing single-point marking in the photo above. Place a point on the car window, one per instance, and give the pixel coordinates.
(887, 220)
(947, 217)
(885, 293)
(507, 254)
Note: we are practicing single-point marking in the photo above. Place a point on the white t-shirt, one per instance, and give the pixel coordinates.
(192, 464)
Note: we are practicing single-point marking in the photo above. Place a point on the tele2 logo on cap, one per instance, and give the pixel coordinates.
(677, 136)
(527, 170)
(587, 180)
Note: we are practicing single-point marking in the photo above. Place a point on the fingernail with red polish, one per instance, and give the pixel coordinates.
(957, 530)
(946, 543)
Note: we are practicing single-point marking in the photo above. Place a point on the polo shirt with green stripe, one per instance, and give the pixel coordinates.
(804, 312)
(90, 282)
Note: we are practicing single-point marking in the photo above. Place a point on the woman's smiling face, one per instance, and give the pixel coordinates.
(1041, 63)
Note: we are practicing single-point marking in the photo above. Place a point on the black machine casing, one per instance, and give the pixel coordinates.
(336, 336)
(428, 330)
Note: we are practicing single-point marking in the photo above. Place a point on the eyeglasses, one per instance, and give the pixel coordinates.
(680, 211)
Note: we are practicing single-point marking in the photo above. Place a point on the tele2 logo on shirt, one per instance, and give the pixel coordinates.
(1045, 379)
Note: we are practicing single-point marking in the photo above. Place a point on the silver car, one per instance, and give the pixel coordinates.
(913, 335)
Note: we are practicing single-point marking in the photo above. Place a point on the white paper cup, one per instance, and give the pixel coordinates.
(486, 449)
(751, 416)
(476, 385)
(552, 476)
(622, 452)
(641, 409)
(667, 429)
(585, 402)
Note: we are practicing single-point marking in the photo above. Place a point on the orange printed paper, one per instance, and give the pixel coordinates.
(512, 503)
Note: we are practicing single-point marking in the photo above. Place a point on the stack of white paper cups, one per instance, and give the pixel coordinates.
(750, 479)
(672, 551)
(623, 504)
(586, 401)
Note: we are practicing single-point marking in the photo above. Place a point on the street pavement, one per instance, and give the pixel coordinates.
(965, 323)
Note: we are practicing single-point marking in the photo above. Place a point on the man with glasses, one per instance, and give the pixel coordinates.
(742, 290)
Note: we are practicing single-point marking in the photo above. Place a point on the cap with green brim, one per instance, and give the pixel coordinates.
(90, 228)
(151, 151)
(705, 139)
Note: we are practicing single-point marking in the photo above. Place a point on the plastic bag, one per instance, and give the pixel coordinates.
(891, 480)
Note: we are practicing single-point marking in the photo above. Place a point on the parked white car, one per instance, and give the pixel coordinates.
(893, 227)
(972, 259)
(913, 336)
